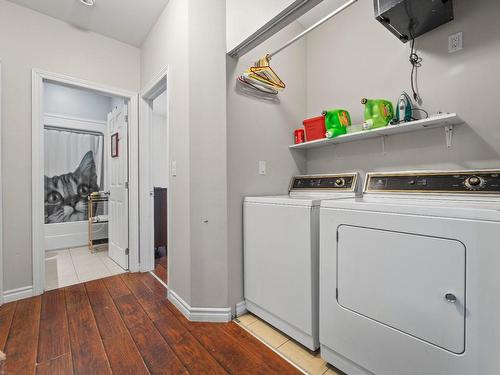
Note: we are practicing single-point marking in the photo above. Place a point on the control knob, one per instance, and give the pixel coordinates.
(474, 182)
(340, 182)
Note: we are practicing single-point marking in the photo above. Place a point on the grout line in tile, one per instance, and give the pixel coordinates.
(105, 265)
(283, 344)
(248, 326)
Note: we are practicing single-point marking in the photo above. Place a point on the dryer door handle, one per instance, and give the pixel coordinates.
(450, 297)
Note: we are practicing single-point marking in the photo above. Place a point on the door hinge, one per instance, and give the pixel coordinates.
(126, 118)
(337, 293)
(126, 184)
(337, 236)
(126, 251)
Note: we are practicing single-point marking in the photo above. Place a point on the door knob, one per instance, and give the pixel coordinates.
(451, 298)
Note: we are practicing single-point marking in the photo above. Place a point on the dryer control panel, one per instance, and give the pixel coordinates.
(340, 182)
(463, 182)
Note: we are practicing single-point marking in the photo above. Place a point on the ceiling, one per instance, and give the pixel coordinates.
(128, 21)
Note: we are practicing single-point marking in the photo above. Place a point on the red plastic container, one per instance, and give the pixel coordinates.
(315, 128)
(300, 136)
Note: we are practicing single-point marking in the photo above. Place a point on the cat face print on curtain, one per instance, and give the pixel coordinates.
(66, 195)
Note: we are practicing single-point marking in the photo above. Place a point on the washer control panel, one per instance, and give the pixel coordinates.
(342, 182)
(435, 182)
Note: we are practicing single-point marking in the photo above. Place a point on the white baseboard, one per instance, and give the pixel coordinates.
(17, 294)
(200, 314)
(241, 308)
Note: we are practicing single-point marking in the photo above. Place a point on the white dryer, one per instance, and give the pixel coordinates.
(281, 253)
(410, 275)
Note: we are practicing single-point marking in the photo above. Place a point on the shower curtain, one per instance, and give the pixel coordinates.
(73, 169)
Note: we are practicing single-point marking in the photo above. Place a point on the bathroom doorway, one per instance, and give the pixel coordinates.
(83, 176)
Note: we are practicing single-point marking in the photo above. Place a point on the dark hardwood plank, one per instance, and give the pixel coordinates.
(157, 288)
(124, 356)
(106, 314)
(61, 365)
(120, 348)
(54, 335)
(116, 287)
(161, 272)
(228, 351)
(23, 337)
(263, 352)
(146, 297)
(192, 354)
(155, 351)
(87, 348)
(6, 316)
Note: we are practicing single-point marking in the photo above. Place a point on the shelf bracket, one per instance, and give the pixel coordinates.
(448, 130)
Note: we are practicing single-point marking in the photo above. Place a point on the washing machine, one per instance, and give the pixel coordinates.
(281, 253)
(410, 275)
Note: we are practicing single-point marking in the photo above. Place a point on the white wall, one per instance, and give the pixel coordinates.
(167, 44)
(208, 188)
(160, 142)
(73, 102)
(197, 120)
(353, 56)
(262, 130)
(243, 18)
(30, 40)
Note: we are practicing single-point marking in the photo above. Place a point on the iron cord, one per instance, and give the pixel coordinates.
(416, 62)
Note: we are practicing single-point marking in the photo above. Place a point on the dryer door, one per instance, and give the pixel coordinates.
(412, 283)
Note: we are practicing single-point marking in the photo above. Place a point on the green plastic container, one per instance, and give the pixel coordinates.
(336, 122)
(378, 113)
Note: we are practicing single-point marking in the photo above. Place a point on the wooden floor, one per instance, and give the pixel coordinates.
(161, 265)
(123, 325)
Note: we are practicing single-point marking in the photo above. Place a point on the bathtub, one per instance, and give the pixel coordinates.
(73, 234)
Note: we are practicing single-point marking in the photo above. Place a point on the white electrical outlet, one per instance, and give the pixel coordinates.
(262, 167)
(455, 42)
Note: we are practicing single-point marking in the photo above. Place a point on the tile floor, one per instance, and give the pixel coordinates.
(77, 265)
(310, 362)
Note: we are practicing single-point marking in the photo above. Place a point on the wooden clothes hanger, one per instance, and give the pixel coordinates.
(264, 71)
(262, 77)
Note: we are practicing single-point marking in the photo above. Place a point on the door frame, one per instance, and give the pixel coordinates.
(1, 191)
(37, 172)
(159, 84)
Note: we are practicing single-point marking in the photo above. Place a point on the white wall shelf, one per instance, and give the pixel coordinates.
(445, 120)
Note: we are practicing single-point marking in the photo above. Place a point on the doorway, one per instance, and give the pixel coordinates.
(83, 176)
(159, 156)
(79, 173)
(155, 178)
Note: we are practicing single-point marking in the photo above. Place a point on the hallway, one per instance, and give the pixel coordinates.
(124, 325)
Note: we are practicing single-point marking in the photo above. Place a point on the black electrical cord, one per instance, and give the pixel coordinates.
(416, 62)
(421, 110)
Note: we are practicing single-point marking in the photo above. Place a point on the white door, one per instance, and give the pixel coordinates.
(118, 185)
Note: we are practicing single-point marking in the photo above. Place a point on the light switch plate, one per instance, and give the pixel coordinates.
(455, 42)
(262, 167)
(173, 168)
